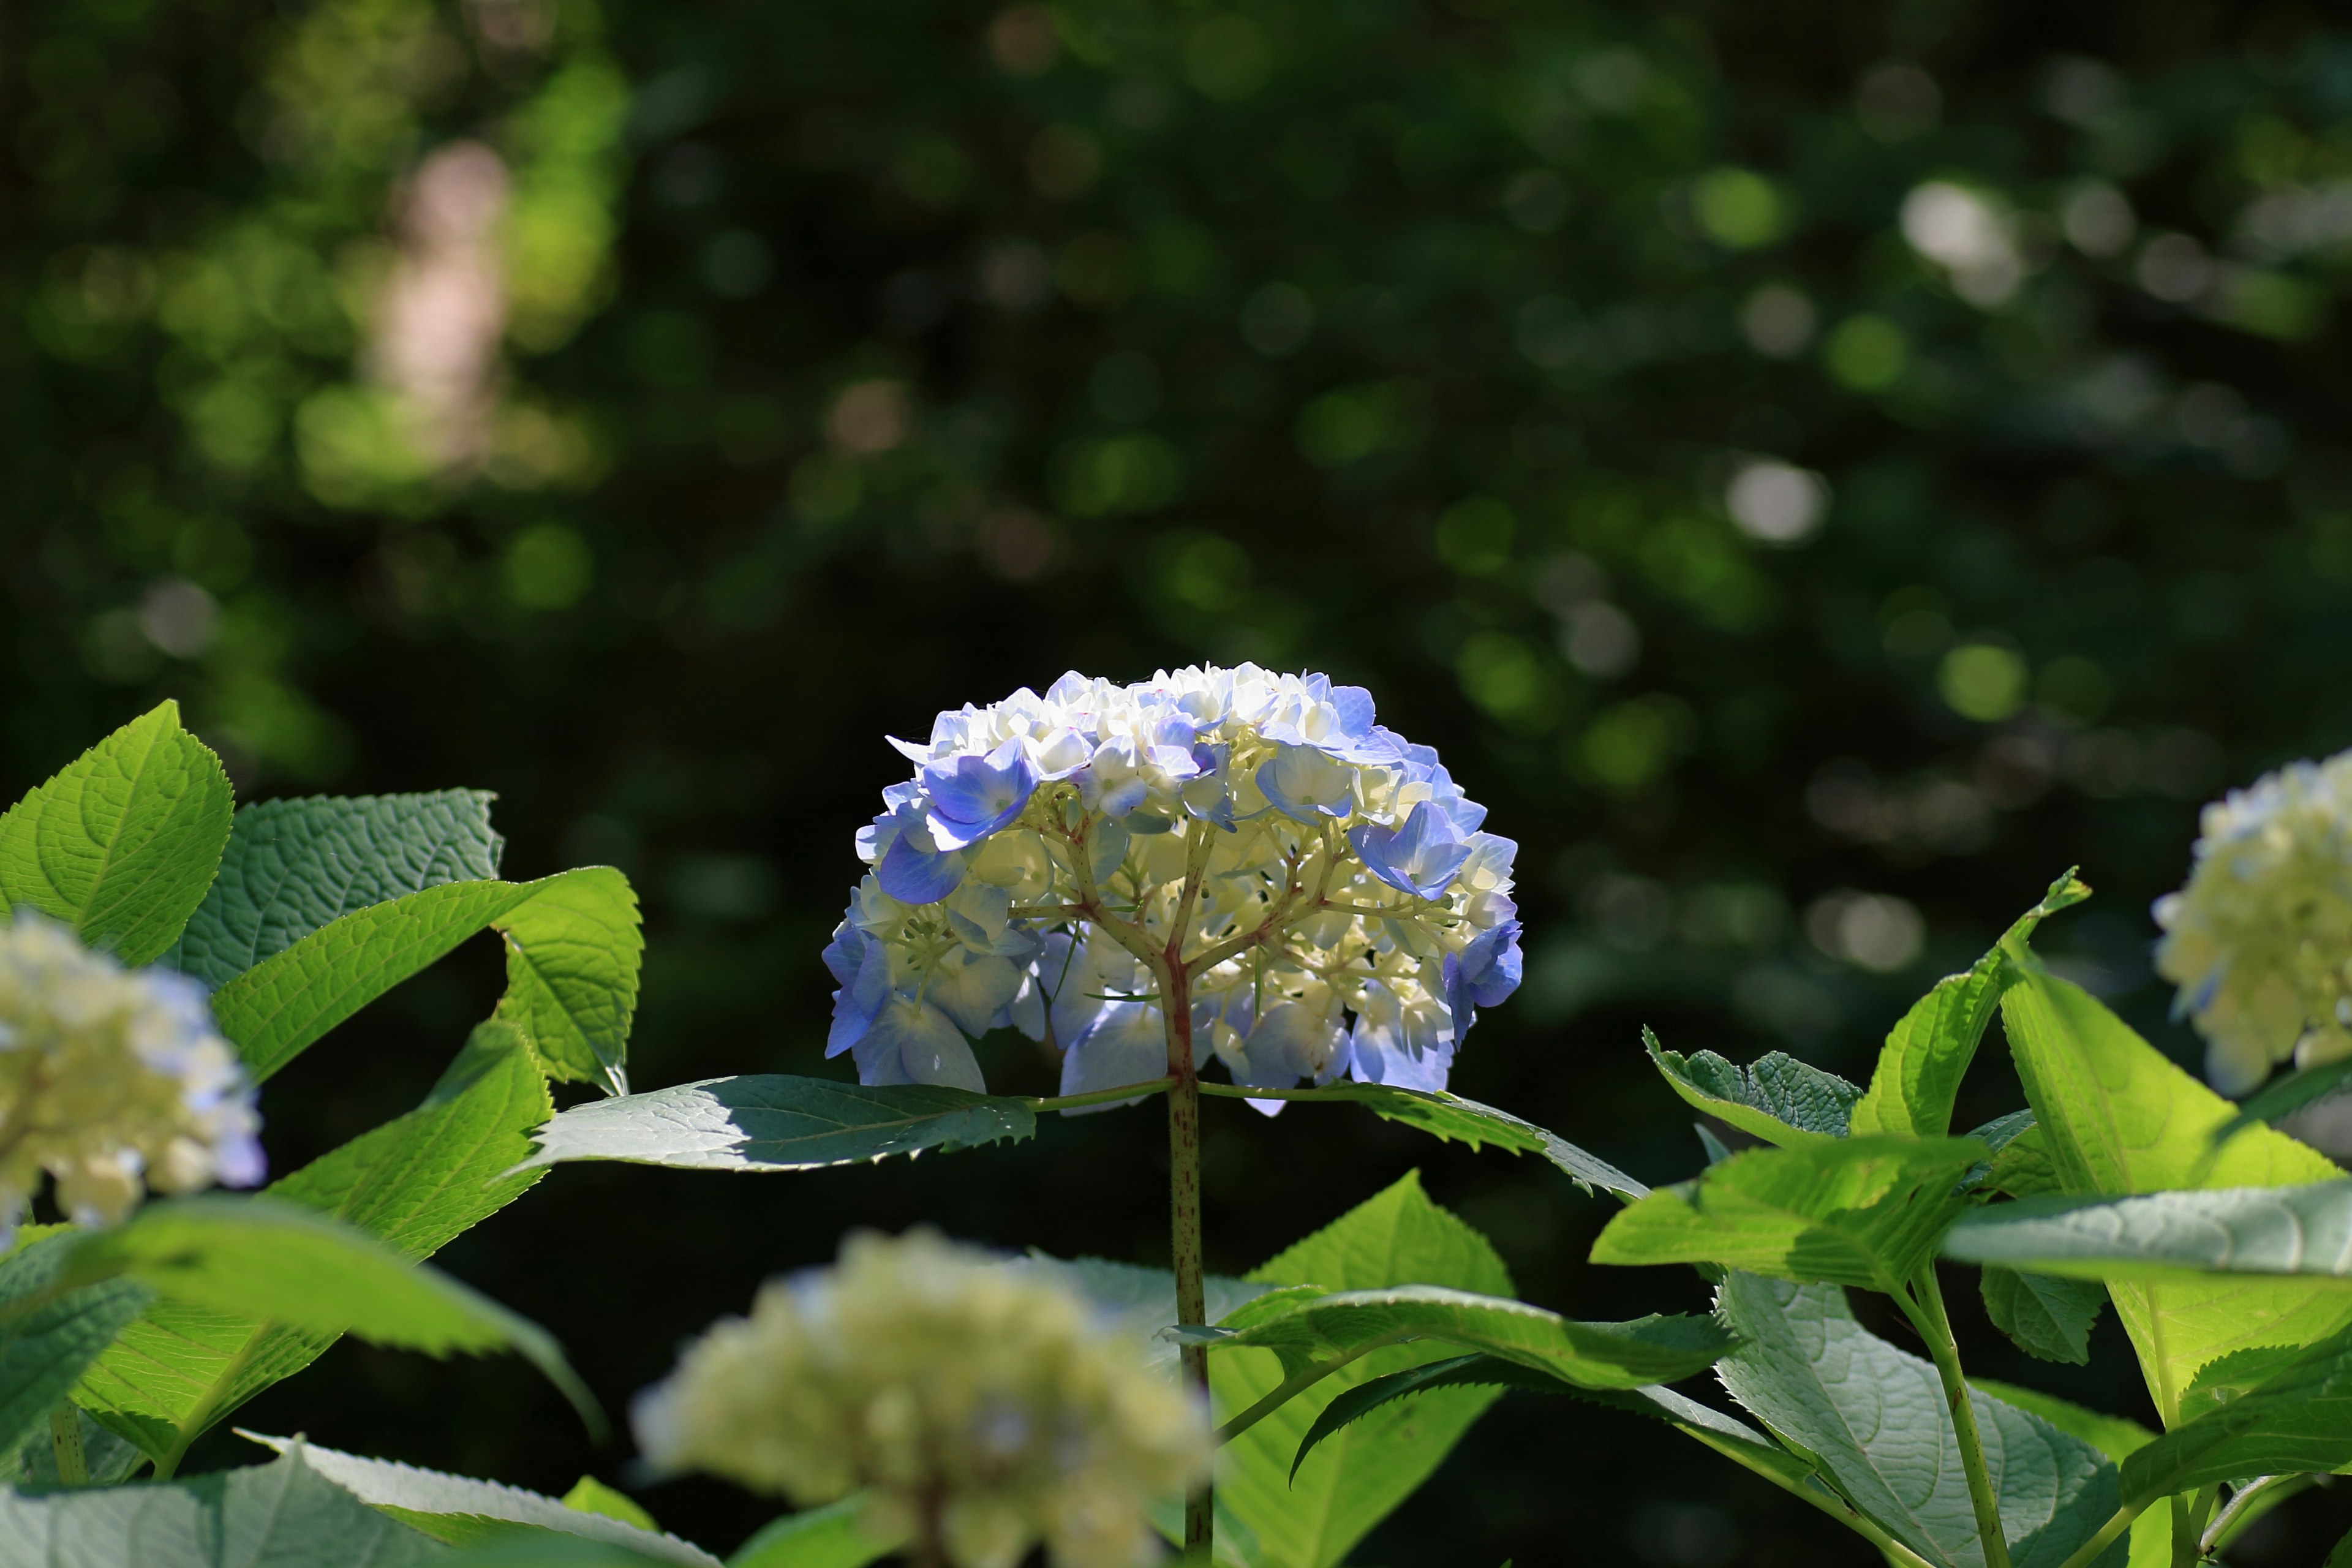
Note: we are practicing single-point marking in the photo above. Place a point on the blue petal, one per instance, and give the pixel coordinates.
(972, 797)
(913, 873)
(1382, 1055)
(1126, 1043)
(913, 1042)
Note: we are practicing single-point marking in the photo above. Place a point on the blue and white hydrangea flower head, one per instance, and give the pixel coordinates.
(113, 1081)
(2260, 940)
(1315, 888)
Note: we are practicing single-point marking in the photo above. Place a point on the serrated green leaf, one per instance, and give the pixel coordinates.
(50, 1332)
(295, 866)
(1918, 1078)
(1723, 1433)
(592, 1496)
(2116, 1118)
(414, 1183)
(1329, 1331)
(777, 1122)
(1452, 1118)
(123, 843)
(1779, 1099)
(2304, 1230)
(280, 1515)
(2117, 1439)
(554, 980)
(1354, 1479)
(2045, 1316)
(1873, 1418)
(1853, 1211)
(2022, 1168)
(2298, 1419)
(424, 1498)
(833, 1536)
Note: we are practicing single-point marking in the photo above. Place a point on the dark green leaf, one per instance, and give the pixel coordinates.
(280, 1515)
(121, 845)
(294, 866)
(1779, 1100)
(1918, 1078)
(1858, 1211)
(2116, 1117)
(106, 1458)
(1874, 1420)
(49, 1334)
(434, 1503)
(2043, 1316)
(2296, 1419)
(774, 1122)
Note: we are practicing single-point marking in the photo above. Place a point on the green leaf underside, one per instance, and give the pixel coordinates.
(2045, 1316)
(1874, 1419)
(1479, 1369)
(44, 1349)
(2295, 1420)
(1451, 1117)
(295, 866)
(1854, 1211)
(572, 1001)
(1267, 1520)
(1142, 1301)
(833, 1536)
(2117, 1439)
(414, 1183)
(1926, 1053)
(1779, 1099)
(419, 1497)
(123, 843)
(1325, 1328)
(281, 1515)
(2287, 1095)
(777, 1122)
(2304, 1231)
(2116, 1118)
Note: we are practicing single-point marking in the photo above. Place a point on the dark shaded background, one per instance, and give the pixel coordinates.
(862, 359)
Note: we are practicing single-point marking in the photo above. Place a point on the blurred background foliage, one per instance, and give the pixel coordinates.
(1816, 470)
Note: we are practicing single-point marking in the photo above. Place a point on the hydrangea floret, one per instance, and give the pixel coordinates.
(989, 1408)
(1222, 864)
(2259, 940)
(114, 1081)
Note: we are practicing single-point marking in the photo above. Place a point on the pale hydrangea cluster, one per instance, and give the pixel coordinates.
(2259, 941)
(112, 1080)
(1316, 887)
(989, 1408)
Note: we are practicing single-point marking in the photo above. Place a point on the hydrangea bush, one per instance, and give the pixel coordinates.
(1215, 872)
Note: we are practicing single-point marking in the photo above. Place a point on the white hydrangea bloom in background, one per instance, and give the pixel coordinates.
(989, 1408)
(114, 1081)
(1317, 886)
(2259, 941)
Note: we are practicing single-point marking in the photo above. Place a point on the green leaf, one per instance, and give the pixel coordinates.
(1927, 1053)
(50, 1332)
(121, 845)
(1779, 1100)
(1853, 1211)
(106, 1460)
(2287, 1095)
(833, 1536)
(592, 1496)
(2022, 1167)
(443, 1506)
(1873, 1418)
(1142, 1301)
(1353, 1479)
(2304, 1230)
(1329, 1331)
(2116, 1118)
(2043, 1316)
(2117, 1439)
(2298, 1419)
(280, 1515)
(294, 866)
(552, 926)
(1723, 1433)
(776, 1122)
(414, 1183)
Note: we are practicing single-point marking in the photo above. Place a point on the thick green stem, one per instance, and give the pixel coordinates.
(65, 1437)
(2189, 1515)
(2089, 1552)
(1936, 1328)
(1184, 1221)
